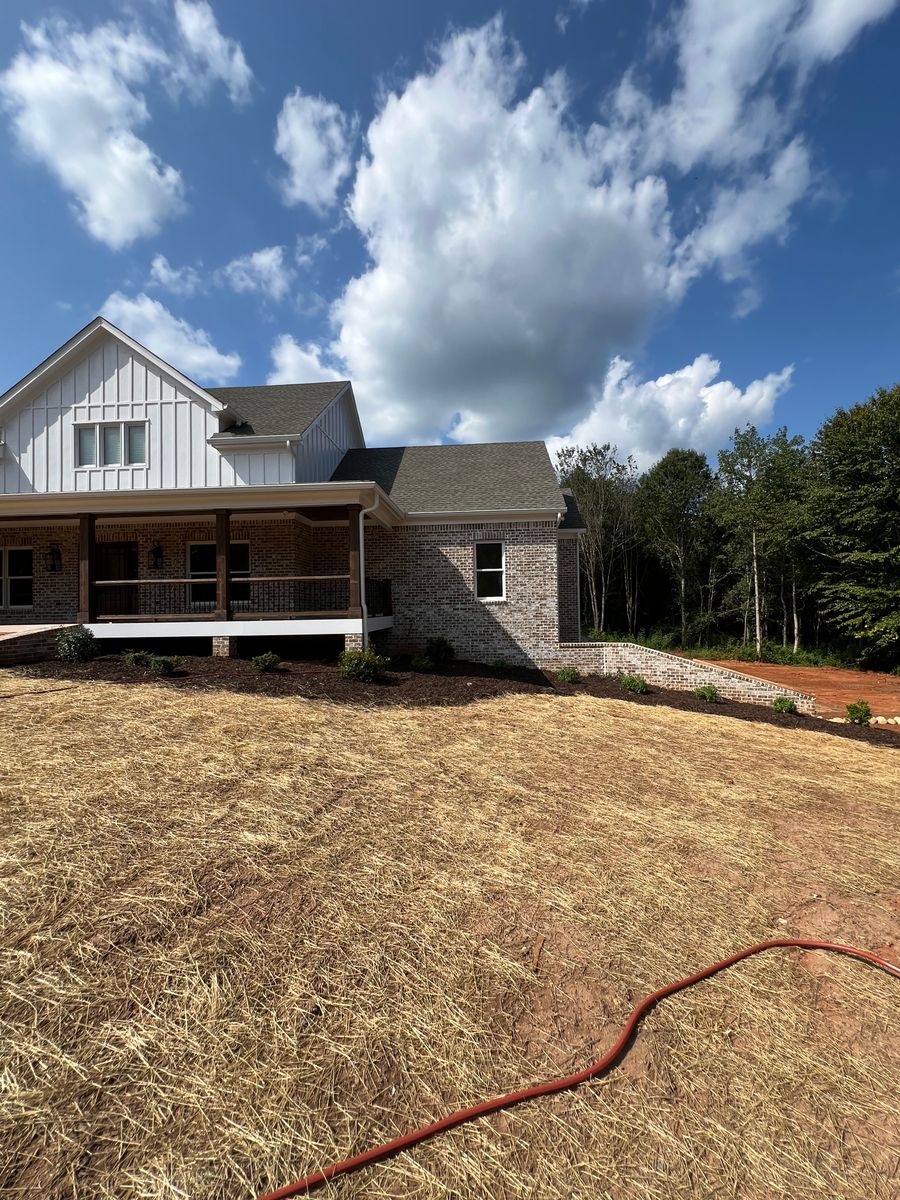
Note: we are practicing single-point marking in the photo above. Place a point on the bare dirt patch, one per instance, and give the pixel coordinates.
(833, 688)
(243, 935)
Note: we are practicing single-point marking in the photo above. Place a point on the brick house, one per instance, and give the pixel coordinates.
(142, 505)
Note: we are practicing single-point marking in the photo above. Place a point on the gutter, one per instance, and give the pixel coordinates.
(254, 441)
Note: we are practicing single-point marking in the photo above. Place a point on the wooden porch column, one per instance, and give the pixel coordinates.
(355, 609)
(223, 565)
(87, 556)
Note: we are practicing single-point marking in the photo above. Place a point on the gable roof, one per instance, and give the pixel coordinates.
(573, 518)
(81, 341)
(288, 408)
(487, 477)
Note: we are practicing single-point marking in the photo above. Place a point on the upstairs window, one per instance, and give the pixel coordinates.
(490, 571)
(17, 577)
(112, 444)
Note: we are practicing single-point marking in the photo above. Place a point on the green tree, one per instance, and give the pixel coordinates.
(856, 522)
(673, 497)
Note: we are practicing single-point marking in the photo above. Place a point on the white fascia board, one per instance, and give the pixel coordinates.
(123, 630)
(237, 443)
(79, 341)
(476, 516)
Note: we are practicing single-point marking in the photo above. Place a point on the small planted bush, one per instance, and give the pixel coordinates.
(75, 645)
(634, 683)
(568, 675)
(859, 713)
(709, 693)
(501, 665)
(784, 704)
(150, 664)
(440, 651)
(137, 660)
(361, 664)
(266, 662)
(421, 662)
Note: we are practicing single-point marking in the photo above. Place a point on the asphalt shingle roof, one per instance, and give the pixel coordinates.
(573, 518)
(277, 408)
(490, 477)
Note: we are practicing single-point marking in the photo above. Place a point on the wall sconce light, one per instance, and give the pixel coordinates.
(54, 557)
(156, 557)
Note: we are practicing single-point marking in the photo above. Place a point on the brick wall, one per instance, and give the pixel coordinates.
(28, 647)
(567, 557)
(55, 592)
(669, 671)
(432, 574)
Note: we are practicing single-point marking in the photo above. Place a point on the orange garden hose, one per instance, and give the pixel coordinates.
(379, 1153)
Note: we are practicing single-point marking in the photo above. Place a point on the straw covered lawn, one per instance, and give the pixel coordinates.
(242, 936)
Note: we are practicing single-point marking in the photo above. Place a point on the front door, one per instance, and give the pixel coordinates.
(117, 560)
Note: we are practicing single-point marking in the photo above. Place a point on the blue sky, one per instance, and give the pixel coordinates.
(585, 220)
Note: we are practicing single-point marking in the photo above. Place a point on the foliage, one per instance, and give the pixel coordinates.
(421, 662)
(137, 660)
(784, 704)
(269, 661)
(501, 665)
(366, 665)
(440, 651)
(75, 645)
(568, 675)
(634, 683)
(150, 664)
(859, 712)
(708, 692)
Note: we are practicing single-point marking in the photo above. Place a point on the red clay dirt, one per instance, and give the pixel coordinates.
(834, 688)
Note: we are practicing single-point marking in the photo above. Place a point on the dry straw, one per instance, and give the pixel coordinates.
(243, 936)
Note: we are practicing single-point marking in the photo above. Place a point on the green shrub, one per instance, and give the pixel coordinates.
(440, 651)
(784, 704)
(708, 693)
(634, 683)
(859, 713)
(361, 664)
(137, 660)
(501, 665)
(568, 675)
(150, 664)
(266, 662)
(75, 645)
(421, 662)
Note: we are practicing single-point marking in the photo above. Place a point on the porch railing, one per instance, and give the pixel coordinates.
(255, 596)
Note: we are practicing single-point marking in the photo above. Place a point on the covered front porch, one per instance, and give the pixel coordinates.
(133, 569)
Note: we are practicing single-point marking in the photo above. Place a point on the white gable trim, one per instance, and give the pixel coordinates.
(56, 362)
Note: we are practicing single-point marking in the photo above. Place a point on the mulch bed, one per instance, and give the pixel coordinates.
(460, 683)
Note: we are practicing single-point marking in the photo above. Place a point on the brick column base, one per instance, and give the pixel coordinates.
(225, 647)
(353, 641)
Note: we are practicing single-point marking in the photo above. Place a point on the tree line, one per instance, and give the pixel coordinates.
(786, 541)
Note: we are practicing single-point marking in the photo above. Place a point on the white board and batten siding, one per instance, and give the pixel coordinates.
(335, 431)
(112, 383)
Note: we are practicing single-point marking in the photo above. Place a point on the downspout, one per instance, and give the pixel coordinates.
(362, 570)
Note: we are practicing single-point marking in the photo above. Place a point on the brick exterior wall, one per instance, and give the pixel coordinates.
(670, 671)
(569, 608)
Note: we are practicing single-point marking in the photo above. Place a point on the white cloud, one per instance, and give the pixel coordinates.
(293, 363)
(73, 105)
(514, 252)
(830, 26)
(188, 349)
(209, 55)
(182, 281)
(315, 138)
(264, 271)
(691, 407)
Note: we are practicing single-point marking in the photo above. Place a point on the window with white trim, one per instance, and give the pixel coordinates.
(490, 570)
(17, 577)
(111, 444)
(202, 565)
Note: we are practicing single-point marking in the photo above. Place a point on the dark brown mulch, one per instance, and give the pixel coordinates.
(460, 683)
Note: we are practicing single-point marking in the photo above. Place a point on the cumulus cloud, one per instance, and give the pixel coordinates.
(75, 101)
(181, 281)
(690, 407)
(188, 349)
(514, 252)
(73, 106)
(265, 272)
(207, 55)
(315, 139)
(293, 363)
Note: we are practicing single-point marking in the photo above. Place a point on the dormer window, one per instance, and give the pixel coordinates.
(112, 444)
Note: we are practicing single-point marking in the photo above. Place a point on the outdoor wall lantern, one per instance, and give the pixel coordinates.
(156, 557)
(54, 557)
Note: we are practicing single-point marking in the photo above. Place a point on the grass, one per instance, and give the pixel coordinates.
(242, 936)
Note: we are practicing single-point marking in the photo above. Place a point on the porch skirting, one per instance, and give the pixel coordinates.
(130, 630)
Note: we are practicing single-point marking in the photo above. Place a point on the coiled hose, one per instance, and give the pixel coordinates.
(407, 1140)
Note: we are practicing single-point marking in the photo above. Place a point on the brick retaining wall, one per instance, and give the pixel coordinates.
(670, 671)
(28, 647)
